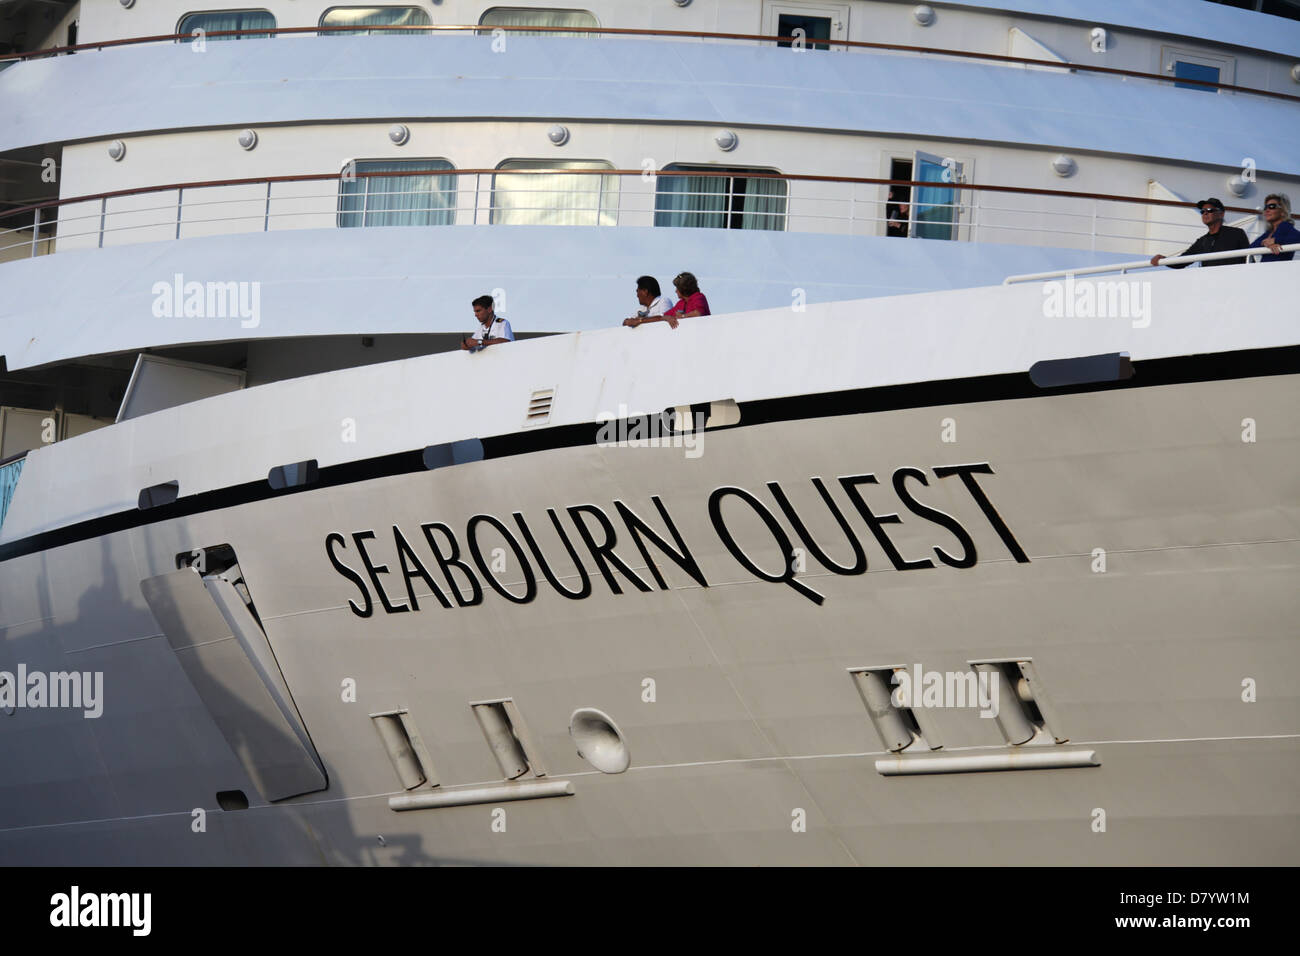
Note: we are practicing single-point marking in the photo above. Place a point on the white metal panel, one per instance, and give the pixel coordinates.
(240, 436)
(166, 87)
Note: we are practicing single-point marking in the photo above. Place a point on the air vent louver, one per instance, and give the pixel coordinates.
(539, 407)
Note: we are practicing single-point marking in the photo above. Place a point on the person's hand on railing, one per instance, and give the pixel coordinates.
(1155, 260)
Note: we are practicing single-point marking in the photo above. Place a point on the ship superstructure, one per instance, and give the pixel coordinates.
(610, 595)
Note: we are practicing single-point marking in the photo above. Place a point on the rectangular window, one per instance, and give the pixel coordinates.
(814, 29)
(1192, 69)
(1195, 71)
(733, 201)
(9, 475)
(935, 208)
(420, 197)
(210, 22)
(361, 18)
(554, 199)
(537, 17)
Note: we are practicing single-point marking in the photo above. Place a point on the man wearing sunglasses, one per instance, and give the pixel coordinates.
(1218, 237)
(1281, 230)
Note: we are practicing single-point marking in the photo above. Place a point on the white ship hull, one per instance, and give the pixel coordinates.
(755, 724)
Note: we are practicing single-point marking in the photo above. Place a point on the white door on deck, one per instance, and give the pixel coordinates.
(936, 209)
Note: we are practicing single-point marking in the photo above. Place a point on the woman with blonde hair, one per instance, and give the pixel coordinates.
(1282, 231)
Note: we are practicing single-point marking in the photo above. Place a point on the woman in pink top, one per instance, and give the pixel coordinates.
(690, 300)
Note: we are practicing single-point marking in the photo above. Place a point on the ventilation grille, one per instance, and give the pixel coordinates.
(539, 407)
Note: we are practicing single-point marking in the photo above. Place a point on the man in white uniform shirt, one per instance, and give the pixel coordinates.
(493, 329)
(653, 305)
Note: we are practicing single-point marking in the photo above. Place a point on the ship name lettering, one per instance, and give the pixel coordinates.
(608, 538)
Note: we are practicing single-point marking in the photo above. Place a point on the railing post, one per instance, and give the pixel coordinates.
(36, 232)
(478, 178)
(1094, 225)
(179, 193)
(266, 218)
(103, 210)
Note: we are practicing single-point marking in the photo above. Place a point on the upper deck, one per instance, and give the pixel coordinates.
(644, 138)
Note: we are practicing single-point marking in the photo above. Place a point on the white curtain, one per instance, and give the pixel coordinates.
(538, 17)
(230, 20)
(362, 17)
(415, 200)
(720, 202)
(554, 199)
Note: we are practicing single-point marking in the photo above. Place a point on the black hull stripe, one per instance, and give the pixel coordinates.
(964, 391)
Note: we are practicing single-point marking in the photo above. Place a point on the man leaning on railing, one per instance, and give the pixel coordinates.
(1217, 238)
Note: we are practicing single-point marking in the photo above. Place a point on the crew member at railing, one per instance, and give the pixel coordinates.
(653, 304)
(1282, 231)
(1218, 237)
(493, 329)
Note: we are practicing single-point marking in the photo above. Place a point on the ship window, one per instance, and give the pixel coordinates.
(815, 29)
(1192, 69)
(362, 17)
(935, 209)
(554, 199)
(212, 21)
(1195, 71)
(538, 17)
(9, 475)
(421, 197)
(734, 201)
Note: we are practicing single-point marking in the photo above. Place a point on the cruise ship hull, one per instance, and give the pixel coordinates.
(712, 595)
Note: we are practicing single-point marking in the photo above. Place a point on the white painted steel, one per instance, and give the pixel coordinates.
(238, 437)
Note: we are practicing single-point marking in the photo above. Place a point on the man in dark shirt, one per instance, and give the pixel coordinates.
(1219, 238)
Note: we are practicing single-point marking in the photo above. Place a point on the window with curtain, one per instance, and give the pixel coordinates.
(210, 22)
(733, 201)
(420, 197)
(361, 18)
(538, 17)
(554, 199)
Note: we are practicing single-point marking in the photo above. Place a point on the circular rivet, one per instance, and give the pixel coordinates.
(726, 140)
(923, 14)
(116, 150)
(558, 135)
(1237, 186)
(1064, 166)
(248, 139)
(399, 134)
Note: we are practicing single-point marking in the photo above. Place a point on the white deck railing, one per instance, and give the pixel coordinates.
(810, 204)
(1249, 255)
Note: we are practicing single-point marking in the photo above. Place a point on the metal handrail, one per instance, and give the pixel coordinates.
(789, 177)
(1250, 255)
(605, 203)
(480, 28)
